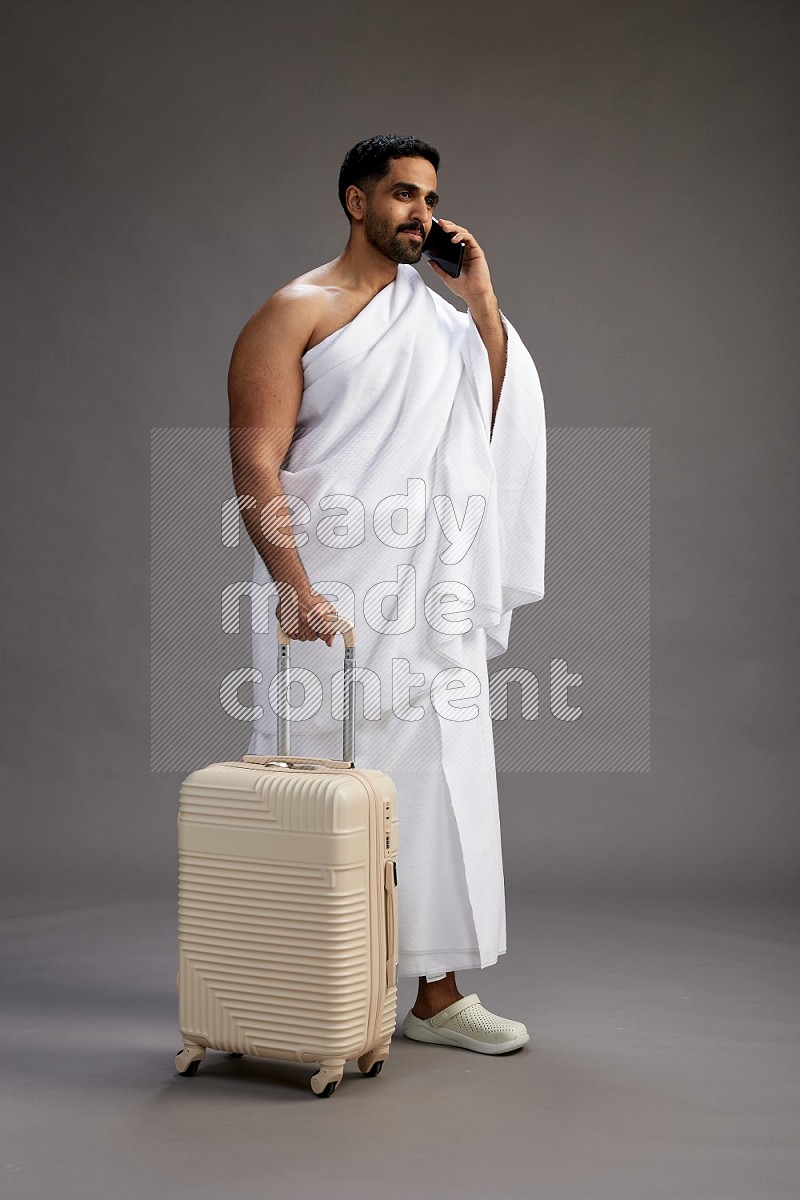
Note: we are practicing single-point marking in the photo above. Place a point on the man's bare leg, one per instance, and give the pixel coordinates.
(433, 997)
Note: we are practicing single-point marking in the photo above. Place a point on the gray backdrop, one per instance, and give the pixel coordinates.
(631, 170)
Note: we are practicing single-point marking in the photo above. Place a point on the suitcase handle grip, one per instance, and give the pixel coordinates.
(348, 632)
(266, 760)
(340, 625)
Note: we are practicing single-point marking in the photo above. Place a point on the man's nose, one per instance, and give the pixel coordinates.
(419, 212)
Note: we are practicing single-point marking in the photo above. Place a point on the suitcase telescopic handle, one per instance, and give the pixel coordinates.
(348, 632)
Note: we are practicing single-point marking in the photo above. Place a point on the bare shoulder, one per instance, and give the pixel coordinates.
(287, 318)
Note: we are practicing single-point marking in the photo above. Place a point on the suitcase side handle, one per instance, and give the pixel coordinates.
(390, 884)
(348, 632)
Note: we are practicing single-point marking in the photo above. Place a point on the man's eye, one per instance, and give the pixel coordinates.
(402, 193)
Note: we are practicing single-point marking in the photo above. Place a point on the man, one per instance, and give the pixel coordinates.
(358, 388)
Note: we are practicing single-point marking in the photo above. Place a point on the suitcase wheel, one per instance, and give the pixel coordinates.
(189, 1059)
(328, 1077)
(370, 1064)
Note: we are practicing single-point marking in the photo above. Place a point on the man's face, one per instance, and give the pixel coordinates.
(399, 209)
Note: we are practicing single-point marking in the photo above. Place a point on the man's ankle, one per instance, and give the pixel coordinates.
(433, 997)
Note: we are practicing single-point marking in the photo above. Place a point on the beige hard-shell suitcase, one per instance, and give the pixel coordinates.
(287, 904)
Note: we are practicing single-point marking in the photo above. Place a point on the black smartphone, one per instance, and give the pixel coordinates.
(446, 253)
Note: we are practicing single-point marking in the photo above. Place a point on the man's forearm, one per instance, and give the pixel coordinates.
(486, 315)
(268, 522)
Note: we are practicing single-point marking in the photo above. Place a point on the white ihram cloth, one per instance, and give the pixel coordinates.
(404, 393)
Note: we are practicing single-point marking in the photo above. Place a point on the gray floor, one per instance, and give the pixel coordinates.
(663, 1063)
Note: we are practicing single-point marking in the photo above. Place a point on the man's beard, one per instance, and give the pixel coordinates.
(397, 247)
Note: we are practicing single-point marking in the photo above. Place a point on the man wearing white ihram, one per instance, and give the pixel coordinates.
(406, 442)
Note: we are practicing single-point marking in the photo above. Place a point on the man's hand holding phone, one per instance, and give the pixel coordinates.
(473, 284)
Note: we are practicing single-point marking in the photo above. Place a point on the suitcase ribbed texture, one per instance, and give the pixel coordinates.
(243, 928)
(276, 911)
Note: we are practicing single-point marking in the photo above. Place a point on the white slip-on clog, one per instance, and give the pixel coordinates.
(468, 1024)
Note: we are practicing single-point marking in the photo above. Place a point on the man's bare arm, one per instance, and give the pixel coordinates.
(265, 387)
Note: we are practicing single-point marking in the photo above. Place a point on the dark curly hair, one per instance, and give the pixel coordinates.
(368, 161)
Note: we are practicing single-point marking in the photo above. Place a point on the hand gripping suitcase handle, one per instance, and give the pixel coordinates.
(348, 632)
(341, 625)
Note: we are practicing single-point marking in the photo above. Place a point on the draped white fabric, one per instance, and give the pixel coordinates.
(426, 534)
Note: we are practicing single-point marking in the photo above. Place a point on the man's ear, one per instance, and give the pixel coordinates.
(355, 200)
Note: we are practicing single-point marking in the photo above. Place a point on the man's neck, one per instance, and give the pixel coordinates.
(362, 268)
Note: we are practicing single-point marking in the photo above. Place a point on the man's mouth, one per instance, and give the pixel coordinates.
(414, 233)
